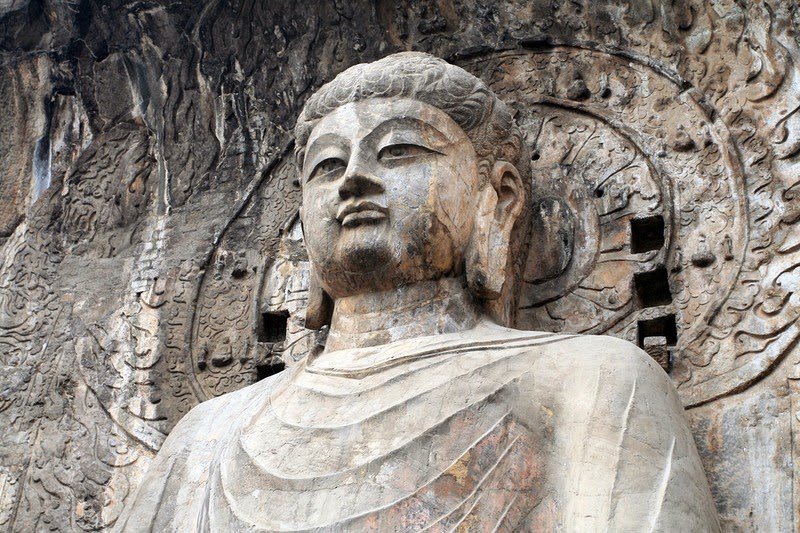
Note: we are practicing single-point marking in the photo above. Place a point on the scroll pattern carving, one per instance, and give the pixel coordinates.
(55, 392)
(617, 145)
(640, 150)
(106, 193)
(642, 207)
(226, 348)
(627, 74)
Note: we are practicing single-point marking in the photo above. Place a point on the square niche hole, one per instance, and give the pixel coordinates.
(270, 369)
(652, 288)
(274, 327)
(647, 234)
(663, 326)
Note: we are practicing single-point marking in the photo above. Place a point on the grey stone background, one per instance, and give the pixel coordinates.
(148, 194)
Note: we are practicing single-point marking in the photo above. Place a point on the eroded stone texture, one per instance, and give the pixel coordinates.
(131, 297)
(421, 412)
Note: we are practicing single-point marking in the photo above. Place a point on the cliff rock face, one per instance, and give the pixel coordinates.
(151, 257)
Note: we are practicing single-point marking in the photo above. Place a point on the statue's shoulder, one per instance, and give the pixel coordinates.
(213, 419)
(569, 350)
(591, 377)
(596, 382)
(594, 351)
(181, 465)
(614, 363)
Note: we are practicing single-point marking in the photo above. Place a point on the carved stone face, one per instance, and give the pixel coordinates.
(388, 195)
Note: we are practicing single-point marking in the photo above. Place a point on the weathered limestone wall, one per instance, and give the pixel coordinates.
(151, 257)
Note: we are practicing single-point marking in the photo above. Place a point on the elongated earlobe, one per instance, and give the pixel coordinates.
(320, 306)
(487, 257)
(484, 278)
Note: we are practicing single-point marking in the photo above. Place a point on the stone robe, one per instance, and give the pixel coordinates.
(488, 430)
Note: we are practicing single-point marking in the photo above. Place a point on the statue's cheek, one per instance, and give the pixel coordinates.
(453, 200)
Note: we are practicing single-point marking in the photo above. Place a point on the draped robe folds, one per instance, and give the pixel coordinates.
(489, 429)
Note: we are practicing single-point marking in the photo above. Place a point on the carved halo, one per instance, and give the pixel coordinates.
(640, 229)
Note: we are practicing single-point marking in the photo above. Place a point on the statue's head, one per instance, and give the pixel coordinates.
(412, 170)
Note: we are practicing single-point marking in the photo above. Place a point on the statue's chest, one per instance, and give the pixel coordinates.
(428, 456)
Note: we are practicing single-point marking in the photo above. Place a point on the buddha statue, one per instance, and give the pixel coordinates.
(424, 410)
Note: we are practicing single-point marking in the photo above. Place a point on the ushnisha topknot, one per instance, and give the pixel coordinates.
(419, 76)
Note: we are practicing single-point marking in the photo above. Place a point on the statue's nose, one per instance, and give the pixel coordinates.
(359, 180)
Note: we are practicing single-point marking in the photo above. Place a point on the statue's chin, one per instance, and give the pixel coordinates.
(364, 253)
(366, 259)
(363, 264)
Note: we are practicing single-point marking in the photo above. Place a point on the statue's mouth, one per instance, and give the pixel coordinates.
(361, 213)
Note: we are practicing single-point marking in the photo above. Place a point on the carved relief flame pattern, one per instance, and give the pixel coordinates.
(681, 115)
(642, 227)
(653, 185)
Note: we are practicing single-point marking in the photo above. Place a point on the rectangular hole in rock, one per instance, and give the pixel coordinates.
(647, 234)
(273, 327)
(663, 326)
(652, 288)
(265, 371)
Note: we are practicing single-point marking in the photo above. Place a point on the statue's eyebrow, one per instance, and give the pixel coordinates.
(437, 136)
(324, 140)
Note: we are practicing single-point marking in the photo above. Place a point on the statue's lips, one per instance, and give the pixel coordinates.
(361, 213)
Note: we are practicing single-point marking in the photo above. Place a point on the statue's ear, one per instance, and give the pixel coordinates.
(319, 309)
(500, 204)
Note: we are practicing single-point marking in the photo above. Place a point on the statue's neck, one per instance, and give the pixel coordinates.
(418, 310)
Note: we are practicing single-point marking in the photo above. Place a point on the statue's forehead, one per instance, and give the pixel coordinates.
(357, 119)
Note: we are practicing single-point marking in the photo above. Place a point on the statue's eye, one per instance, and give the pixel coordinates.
(327, 166)
(402, 151)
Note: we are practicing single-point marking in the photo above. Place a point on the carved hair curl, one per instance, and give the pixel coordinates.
(419, 76)
(467, 100)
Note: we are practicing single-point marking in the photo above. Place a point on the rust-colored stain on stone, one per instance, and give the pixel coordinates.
(153, 254)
